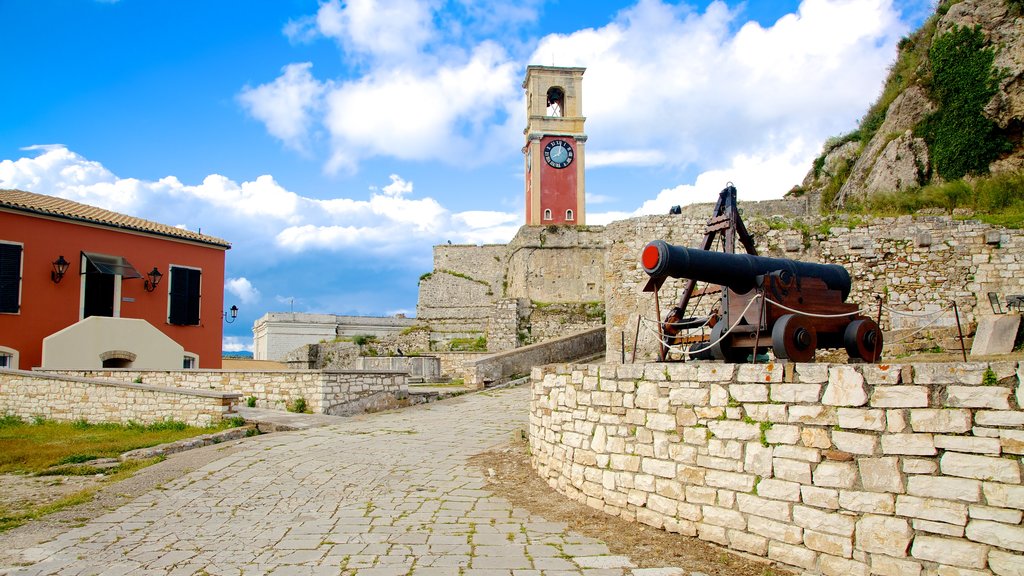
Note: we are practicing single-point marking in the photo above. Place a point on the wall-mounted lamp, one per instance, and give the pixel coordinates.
(234, 314)
(154, 280)
(60, 266)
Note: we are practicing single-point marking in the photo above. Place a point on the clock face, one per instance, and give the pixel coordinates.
(558, 154)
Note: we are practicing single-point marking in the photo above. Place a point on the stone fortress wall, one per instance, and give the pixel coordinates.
(275, 334)
(834, 469)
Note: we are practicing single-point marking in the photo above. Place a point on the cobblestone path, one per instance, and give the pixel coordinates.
(377, 495)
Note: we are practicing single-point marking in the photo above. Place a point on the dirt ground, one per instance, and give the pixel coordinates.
(509, 475)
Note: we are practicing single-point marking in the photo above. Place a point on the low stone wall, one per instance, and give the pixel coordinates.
(453, 363)
(835, 469)
(494, 367)
(325, 392)
(70, 399)
(425, 367)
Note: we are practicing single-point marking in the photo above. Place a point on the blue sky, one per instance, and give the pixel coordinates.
(334, 143)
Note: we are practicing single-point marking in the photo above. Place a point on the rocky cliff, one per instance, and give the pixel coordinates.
(952, 108)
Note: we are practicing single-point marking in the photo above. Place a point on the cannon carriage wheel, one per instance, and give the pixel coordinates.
(794, 338)
(723, 349)
(863, 339)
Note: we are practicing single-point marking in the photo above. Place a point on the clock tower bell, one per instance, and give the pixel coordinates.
(554, 146)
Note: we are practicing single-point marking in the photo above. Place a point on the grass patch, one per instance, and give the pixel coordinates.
(31, 448)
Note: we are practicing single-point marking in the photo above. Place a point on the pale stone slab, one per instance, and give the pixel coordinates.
(1004, 515)
(792, 555)
(783, 531)
(829, 522)
(779, 489)
(947, 421)
(995, 334)
(820, 497)
(943, 487)
(732, 429)
(996, 534)
(880, 474)
(887, 566)
(883, 535)
(855, 443)
(938, 528)
(862, 419)
(900, 397)
(835, 474)
(950, 551)
(999, 418)
(1004, 495)
(1012, 441)
(829, 543)
(1005, 563)
(932, 509)
(859, 501)
(980, 467)
(969, 444)
(908, 444)
(798, 453)
(845, 388)
(995, 397)
(806, 393)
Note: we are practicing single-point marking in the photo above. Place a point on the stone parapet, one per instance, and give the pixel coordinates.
(833, 469)
(71, 399)
(338, 392)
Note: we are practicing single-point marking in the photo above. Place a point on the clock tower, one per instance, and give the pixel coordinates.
(554, 146)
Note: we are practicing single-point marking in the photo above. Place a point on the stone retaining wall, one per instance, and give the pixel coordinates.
(325, 392)
(835, 469)
(70, 399)
(495, 367)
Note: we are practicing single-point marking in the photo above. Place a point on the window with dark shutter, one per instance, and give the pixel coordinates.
(184, 295)
(10, 278)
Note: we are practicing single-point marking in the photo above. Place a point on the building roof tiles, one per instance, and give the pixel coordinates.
(22, 201)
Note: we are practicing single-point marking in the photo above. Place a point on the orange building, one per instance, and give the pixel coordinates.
(83, 287)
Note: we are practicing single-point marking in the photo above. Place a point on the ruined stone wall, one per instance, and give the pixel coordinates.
(71, 399)
(338, 393)
(833, 469)
(557, 264)
(485, 263)
(920, 265)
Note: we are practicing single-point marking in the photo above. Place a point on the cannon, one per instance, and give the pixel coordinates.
(804, 306)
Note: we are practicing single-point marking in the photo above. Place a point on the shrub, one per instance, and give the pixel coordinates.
(961, 139)
(250, 401)
(299, 406)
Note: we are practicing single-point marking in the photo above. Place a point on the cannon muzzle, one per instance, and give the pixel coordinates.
(738, 272)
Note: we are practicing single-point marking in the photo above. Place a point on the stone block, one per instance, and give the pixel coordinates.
(937, 373)
(771, 372)
(757, 459)
(795, 393)
(996, 534)
(855, 443)
(960, 489)
(969, 444)
(1003, 495)
(701, 494)
(812, 373)
(837, 566)
(1004, 515)
(729, 480)
(688, 396)
(883, 535)
(1005, 563)
(1012, 441)
(938, 528)
(881, 374)
(815, 438)
(829, 543)
(845, 387)
(820, 497)
(896, 420)
(775, 530)
(859, 501)
(779, 489)
(814, 415)
(900, 397)
(792, 555)
(723, 517)
(980, 467)
(920, 466)
(782, 434)
(798, 453)
(886, 566)
(662, 468)
(766, 412)
(880, 474)
(757, 506)
(949, 551)
(732, 429)
(932, 509)
(995, 334)
(835, 474)
(793, 470)
(995, 397)
(947, 421)
(828, 522)
(862, 419)
(1008, 418)
(908, 444)
(745, 542)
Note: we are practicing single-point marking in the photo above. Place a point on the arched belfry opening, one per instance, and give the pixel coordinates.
(556, 101)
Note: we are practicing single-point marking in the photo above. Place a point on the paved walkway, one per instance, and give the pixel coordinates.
(375, 495)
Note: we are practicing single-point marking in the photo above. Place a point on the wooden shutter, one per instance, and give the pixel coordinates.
(10, 277)
(184, 295)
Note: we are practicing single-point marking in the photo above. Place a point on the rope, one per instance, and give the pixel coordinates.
(795, 311)
(935, 317)
(686, 353)
(913, 314)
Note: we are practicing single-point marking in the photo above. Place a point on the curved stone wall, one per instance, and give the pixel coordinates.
(837, 469)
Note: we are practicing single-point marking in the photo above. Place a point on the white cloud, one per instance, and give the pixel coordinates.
(243, 289)
(236, 344)
(287, 104)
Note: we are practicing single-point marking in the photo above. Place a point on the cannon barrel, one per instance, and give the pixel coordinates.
(736, 271)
